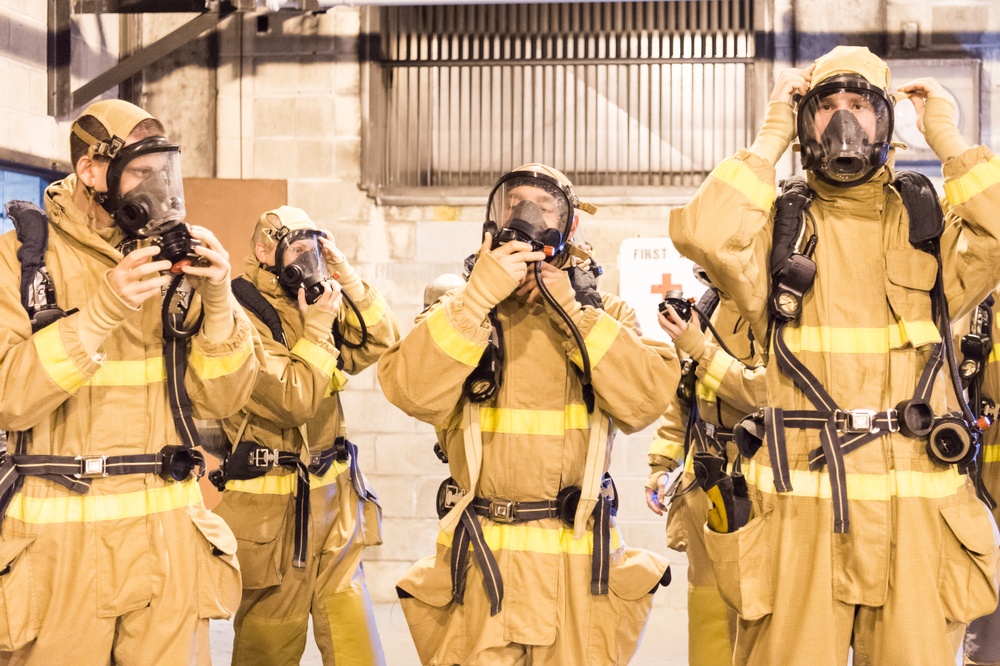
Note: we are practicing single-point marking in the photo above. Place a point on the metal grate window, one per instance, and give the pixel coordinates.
(616, 94)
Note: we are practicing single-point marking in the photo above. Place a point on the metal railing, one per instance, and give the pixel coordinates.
(625, 94)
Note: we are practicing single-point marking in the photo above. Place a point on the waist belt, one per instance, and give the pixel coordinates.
(173, 463)
(470, 532)
(343, 450)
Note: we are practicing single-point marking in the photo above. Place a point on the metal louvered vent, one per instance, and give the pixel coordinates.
(615, 94)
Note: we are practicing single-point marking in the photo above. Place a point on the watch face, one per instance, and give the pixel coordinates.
(906, 124)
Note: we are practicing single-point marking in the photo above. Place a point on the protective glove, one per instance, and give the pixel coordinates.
(488, 285)
(563, 293)
(940, 130)
(218, 308)
(103, 313)
(691, 342)
(345, 274)
(730, 505)
(777, 132)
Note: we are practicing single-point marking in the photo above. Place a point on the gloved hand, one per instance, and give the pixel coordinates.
(341, 269)
(210, 278)
(935, 117)
(318, 317)
(106, 310)
(730, 505)
(495, 276)
(558, 283)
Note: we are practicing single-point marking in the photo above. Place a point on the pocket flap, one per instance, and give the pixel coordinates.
(10, 549)
(911, 268)
(215, 531)
(428, 581)
(256, 518)
(637, 575)
(968, 520)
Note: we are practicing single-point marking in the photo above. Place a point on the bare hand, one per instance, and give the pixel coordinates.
(514, 256)
(654, 497)
(919, 91)
(328, 302)
(674, 325)
(791, 82)
(137, 277)
(214, 260)
(552, 277)
(331, 253)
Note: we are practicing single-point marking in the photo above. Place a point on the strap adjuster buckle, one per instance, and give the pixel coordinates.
(710, 430)
(892, 416)
(502, 510)
(263, 458)
(92, 467)
(859, 420)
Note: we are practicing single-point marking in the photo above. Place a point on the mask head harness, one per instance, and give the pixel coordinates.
(845, 126)
(534, 204)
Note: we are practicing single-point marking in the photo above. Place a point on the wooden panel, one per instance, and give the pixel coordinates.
(229, 208)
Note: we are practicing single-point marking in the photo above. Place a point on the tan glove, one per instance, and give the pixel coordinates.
(940, 130)
(345, 274)
(103, 313)
(777, 132)
(691, 342)
(488, 285)
(317, 324)
(563, 294)
(219, 324)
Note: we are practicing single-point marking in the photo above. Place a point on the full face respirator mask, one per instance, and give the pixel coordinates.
(146, 198)
(299, 263)
(531, 207)
(845, 127)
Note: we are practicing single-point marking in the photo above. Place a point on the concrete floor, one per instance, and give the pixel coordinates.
(664, 644)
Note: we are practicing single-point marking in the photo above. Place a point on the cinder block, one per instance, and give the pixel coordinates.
(316, 77)
(27, 42)
(381, 577)
(330, 200)
(314, 116)
(346, 78)
(348, 116)
(447, 241)
(18, 79)
(273, 76)
(314, 158)
(397, 495)
(378, 414)
(412, 453)
(348, 20)
(347, 159)
(227, 157)
(401, 236)
(274, 117)
(272, 158)
(411, 539)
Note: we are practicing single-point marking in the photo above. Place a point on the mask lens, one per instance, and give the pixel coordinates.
(530, 208)
(300, 262)
(151, 192)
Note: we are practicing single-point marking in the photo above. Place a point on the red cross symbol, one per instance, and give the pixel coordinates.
(665, 286)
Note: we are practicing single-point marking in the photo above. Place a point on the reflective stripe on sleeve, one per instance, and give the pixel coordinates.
(91, 508)
(973, 182)
(314, 355)
(534, 421)
(213, 367)
(451, 342)
(56, 361)
(709, 384)
(372, 315)
(667, 448)
(598, 340)
(875, 487)
(740, 177)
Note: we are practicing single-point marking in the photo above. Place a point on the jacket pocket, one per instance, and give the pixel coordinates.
(618, 620)
(743, 565)
(371, 521)
(911, 274)
(259, 523)
(967, 577)
(18, 625)
(219, 587)
(437, 624)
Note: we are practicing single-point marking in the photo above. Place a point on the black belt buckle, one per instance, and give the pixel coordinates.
(502, 510)
(857, 420)
(178, 462)
(448, 495)
(92, 467)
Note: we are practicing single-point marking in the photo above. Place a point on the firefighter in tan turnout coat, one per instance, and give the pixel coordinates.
(529, 563)
(859, 539)
(309, 563)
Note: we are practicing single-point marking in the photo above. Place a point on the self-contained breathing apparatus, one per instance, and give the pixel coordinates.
(951, 438)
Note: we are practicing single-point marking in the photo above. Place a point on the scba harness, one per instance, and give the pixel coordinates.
(38, 297)
(951, 438)
(250, 460)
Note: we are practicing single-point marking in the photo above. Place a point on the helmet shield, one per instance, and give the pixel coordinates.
(145, 190)
(532, 207)
(299, 262)
(844, 127)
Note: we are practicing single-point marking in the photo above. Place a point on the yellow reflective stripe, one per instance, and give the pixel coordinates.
(130, 373)
(56, 362)
(451, 342)
(666, 448)
(974, 181)
(709, 384)
(533, 421)
(599, 340)
(828, 339)
(895, 483)
(530, 539)
(314, 355)
(372, 315)
(991, 452)
(213, 367)
(994, 354)
(742, 178)
(284, 484)
(337, 383)
(92, 508)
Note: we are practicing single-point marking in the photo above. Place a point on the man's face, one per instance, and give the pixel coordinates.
(142, 168)
(546, 203)
(857, 104)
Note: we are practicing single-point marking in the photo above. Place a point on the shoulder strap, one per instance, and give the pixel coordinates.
(249, 297)
(38, 293)
(922, 207)
(796, 197)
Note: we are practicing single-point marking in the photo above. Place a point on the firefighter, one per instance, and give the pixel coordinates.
(720, 390)
(295, 495)
(866, 533)
(108, 553)
(521, 378)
